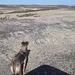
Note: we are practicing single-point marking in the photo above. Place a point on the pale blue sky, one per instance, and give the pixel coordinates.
(38, 2)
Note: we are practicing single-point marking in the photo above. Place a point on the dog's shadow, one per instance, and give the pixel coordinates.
(46, 70)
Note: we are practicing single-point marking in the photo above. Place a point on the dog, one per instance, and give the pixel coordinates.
(18, 63)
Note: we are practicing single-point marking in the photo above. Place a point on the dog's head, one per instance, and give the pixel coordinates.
(24, 45)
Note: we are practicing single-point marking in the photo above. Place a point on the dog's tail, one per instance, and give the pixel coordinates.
(9, 58)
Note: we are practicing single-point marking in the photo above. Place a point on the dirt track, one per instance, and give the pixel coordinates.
(51, 36)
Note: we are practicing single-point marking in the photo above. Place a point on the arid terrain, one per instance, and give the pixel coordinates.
(50, 31)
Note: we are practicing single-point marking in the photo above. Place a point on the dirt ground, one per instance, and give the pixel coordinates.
(50, 32)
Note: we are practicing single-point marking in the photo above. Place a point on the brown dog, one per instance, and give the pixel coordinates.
(18, 64)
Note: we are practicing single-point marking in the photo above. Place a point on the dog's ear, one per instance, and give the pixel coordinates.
(24, 43)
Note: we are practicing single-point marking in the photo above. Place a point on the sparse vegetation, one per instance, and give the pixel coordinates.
(30, 10)
(1, 13)
(27, 15)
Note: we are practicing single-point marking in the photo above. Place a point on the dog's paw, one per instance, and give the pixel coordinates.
(23, 70)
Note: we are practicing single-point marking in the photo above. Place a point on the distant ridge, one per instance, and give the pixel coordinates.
(39, 6)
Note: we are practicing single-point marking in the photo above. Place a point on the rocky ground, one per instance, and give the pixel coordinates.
(50, 32)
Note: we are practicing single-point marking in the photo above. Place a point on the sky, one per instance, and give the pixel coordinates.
(37, 2)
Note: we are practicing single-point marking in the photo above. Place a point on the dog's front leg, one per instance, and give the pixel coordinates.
(24, 65)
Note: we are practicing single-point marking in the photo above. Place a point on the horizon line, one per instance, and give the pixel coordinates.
(38, 4)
